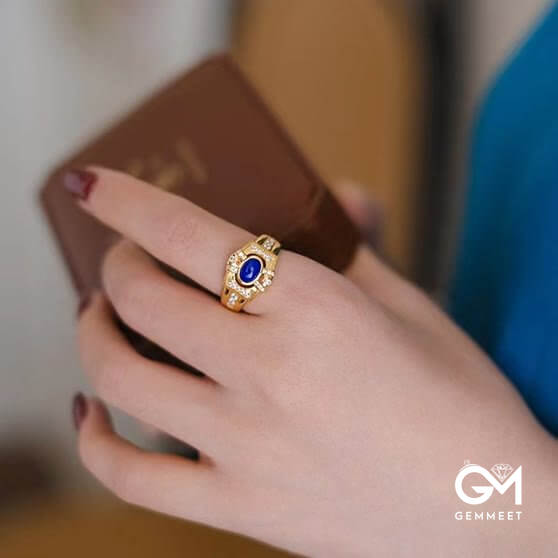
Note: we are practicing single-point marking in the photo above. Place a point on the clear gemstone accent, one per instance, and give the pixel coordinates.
(246, 293)
(232, 300)
(255, 249)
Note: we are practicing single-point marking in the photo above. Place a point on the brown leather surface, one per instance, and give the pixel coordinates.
(210, 138)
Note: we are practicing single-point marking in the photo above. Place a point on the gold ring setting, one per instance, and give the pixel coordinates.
(249, 272)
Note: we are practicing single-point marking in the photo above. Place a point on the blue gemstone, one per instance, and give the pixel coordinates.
(250, 270)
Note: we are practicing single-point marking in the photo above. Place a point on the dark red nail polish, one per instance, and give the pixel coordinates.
(79, 183)
(83, 304)
(79, 409)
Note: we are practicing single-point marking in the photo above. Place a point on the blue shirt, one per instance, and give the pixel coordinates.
(505, 292)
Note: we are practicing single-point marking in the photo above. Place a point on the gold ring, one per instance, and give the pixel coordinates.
(249, 272)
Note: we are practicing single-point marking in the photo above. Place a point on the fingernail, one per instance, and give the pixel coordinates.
(79, 183)
(83, 304)
(79, 409)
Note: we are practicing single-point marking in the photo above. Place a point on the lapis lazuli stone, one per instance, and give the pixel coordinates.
(250, 270)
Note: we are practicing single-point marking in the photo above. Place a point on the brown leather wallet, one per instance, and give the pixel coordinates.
(210, 138)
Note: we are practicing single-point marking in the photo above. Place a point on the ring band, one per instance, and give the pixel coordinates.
(249, 272)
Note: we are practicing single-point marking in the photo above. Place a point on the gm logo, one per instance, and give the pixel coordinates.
(501, 478)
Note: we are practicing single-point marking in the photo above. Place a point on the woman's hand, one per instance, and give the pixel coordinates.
(336, 411)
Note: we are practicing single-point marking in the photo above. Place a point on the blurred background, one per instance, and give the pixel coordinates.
(377, 92)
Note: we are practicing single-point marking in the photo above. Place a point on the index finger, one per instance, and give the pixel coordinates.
(169, 227)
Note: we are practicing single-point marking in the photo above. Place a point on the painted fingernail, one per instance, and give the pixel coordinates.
(79, 183)
(79, 409)
(83, 304)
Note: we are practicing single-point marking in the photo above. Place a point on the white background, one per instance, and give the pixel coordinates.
(67, 69)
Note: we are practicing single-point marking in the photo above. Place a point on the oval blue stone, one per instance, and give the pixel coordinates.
(249, 270)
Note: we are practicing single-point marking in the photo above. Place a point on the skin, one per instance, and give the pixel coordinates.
(336, 410)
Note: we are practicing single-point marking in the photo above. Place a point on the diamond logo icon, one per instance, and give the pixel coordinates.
(502, 471)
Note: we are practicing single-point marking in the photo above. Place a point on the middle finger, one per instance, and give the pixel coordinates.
(187, 322)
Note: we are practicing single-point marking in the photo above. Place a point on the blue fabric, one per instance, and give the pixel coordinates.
(505, 292)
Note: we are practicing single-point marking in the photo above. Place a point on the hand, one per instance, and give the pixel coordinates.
(335, 412)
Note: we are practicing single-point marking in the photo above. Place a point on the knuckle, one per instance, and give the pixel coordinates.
(108, 271)
(123, 477)
(316, 303)
(110, 267)
(339, 298)
(108, 379)
(333, 308)
(134, 297)
(121, 473)
(122, 481)
(125, 291)
(180, 233)
(87, 454)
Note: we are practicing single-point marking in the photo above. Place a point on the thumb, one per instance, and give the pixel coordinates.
(366, 213)
(372, 275)
(367, 270)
